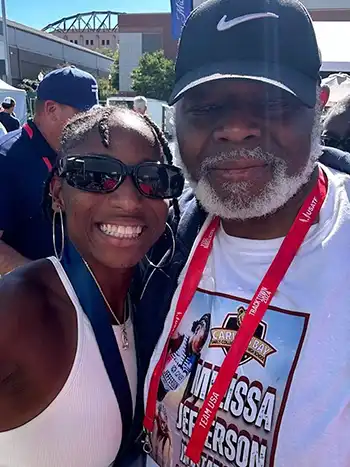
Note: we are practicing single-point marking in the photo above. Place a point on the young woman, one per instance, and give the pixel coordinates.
(68, 366)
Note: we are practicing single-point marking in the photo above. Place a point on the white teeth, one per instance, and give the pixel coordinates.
(121, 231)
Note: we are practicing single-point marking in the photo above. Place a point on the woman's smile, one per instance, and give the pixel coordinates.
(121, 231)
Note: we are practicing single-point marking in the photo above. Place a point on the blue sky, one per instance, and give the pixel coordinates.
(38, 13)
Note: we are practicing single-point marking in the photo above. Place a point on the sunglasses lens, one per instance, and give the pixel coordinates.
(159, 181)
(103, 174)
(95, 175)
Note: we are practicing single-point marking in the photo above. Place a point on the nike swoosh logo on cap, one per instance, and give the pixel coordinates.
(223, 24)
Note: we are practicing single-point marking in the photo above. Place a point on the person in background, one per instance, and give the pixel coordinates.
(27, 156)
(2, 130)
(7, 116)
(336, 125)
(140, 105)
(262, 245)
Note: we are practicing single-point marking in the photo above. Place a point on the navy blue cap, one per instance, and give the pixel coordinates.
(69, 86)
(272, 41)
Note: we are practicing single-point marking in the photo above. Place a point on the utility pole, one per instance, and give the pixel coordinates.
(6, 43)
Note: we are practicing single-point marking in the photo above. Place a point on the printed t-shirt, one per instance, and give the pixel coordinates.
(289, 402)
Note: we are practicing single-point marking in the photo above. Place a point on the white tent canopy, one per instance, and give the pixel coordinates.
(339, 86)
(19, 95)
(333, 39)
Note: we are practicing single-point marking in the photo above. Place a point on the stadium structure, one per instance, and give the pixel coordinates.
(93, 30)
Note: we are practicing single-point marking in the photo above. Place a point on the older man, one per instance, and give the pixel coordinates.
(140, 105)
(264, 250)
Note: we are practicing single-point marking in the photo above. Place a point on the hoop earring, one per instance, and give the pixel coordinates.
(169, 255)
(58, 256)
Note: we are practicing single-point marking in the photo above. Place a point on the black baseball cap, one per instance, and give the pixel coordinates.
(272, 41)
(69, 86)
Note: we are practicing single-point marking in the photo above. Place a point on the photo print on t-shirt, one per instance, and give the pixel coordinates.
(246, 427)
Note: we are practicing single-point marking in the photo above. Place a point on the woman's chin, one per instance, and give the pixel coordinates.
(114, 260)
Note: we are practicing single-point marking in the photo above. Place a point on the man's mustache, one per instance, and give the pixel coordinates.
(212, 161)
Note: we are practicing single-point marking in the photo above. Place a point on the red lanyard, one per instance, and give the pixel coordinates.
(255, 312)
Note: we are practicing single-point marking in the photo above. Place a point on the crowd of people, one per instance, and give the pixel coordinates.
(145, 325)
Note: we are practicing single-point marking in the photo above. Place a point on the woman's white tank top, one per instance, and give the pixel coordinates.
(82, 426)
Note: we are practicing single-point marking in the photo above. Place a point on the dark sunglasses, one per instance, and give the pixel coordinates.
(104, 174)
(334, 142)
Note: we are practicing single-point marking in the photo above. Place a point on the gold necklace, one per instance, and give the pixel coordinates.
(124, 334)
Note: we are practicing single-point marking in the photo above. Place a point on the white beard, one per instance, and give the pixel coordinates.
(237, 202)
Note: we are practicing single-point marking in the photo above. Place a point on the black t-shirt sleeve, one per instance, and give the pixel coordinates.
(10, 123)
(8, 195)
(16, 123)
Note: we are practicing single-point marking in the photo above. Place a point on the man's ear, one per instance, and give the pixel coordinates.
(52, 110)
(325, 92)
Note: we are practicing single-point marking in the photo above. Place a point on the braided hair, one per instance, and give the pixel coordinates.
(79, 128)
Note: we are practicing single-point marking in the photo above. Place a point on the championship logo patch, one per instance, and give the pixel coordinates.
(259, 349)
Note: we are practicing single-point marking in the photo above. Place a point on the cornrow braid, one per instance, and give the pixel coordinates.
(79, 127)
(103, 126)
(163, 142)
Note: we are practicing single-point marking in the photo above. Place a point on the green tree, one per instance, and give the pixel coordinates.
(154, 77)
(104, 51)
(115, 71)
(114, 74)
(105, 89)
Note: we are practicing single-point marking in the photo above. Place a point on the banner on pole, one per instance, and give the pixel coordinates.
(180, 10)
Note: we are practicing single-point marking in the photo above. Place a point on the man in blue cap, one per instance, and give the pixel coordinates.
(27, 156)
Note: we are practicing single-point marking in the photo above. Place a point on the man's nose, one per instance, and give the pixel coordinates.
(237, 127)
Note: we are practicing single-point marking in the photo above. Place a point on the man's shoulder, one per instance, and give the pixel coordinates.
(186, 200)
(336, 159)
(191, 214)
(187, 225)
(3, 116)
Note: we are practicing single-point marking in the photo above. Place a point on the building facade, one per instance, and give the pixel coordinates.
(141, 33)
(2, 52)
(33, 51)
(329, 10)
(93, 30)
(91, 40)
(321, 10)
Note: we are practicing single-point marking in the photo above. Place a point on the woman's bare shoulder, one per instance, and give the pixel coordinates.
(23, 284)
(23, 294)
(34, 324)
